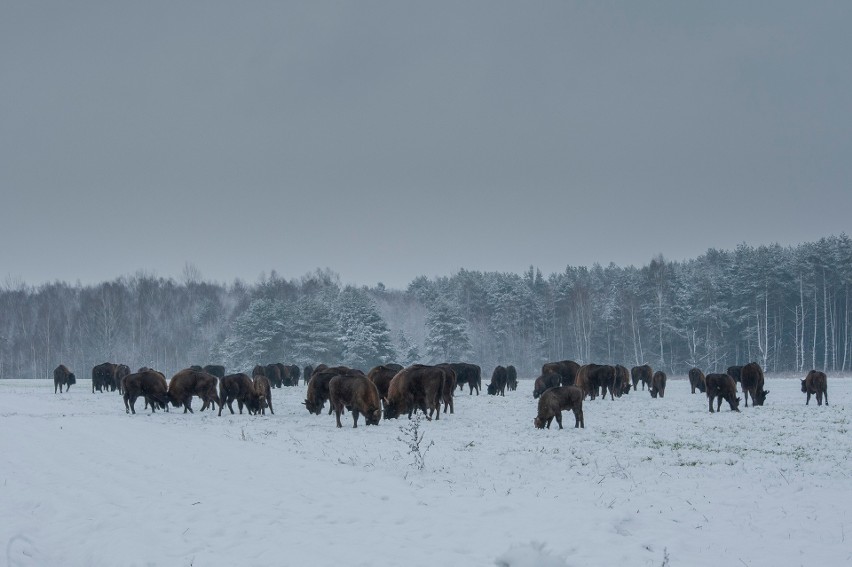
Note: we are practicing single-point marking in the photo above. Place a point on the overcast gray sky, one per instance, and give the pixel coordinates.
(387, 140)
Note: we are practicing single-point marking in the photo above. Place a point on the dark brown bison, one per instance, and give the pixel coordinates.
(263, 391)
(751, 380)
(151, 385)
(449, 390)
(273, 373)
(592, 378)
(216, 370)
(696, 380)
(658, 384)
(554, 401)
(121, 370)
(622, 380)
(499, 379)
(188, 383)
(359, 395)
(466, 373)
(721, 387)
(567, 369)
(815, 382)
(735, 372)
(381, 376)
(318, 387)
(545, 382)
(416, 387)
(238, 387)
(103, 377)
(641, 374)
(64, 377)
(294, 373)
(512, 374)
(306, 374)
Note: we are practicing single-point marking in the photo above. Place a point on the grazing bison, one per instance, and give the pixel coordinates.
(381, 376)
(238, 387)
(359, 395)
(466, 373)
(188, 383)
(416, 387)
(721, 387)
(318, 387)
(696, 380)
(567, 369)
(263, 391)
(658, 384)
(641, 374)
(216, 370)
(816, 383)
(103, 377)
(64, 377)
(622, 380)
(306, 373)
(751, 380)
(512, 374)
(151, 385)
(499, 379)
(554, 401)
(545, 382)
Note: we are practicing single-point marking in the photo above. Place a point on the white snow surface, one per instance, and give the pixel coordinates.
(647, 482)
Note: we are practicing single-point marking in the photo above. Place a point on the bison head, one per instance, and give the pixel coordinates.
(539, 423)
(760, 397)
(735, 405)
(391, 409)
(373, 417)
(313, 407)
(492, 389)
(804, 387)
(72, 379)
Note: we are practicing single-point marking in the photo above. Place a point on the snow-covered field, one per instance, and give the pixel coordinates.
(648, 482)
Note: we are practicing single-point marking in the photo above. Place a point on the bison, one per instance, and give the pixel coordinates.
(721, 387)
(103, 377)
(466, 373)
(622, 380)
(545, 382)
(64, 377)
(381, 376)
(512, 374)
(499, 379)
(263, 391)
(416, 387)
(591, 378)
(273, 374)
(567, 369)
(751, 380)
(306, 373)
(735, 372)
(318, 387)
(641, 374)
(148, 383)
(238, 387)
(658, 384)
(696, 380)
(188, 383)
(449, 388)
(294, 373)
(121, 370)
(554, 400)
(216, 370)
(357, 393)
(816, 383)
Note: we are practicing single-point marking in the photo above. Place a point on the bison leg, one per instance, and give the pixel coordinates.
(710, 399)
(558, 417)
(578, 418)
(355, 415)
(338, 409)
(826, 396)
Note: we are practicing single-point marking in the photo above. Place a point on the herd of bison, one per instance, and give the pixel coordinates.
(390, 390)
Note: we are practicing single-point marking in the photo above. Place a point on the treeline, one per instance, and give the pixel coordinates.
(784, 307)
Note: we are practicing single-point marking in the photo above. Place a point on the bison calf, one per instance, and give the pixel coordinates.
(545, 382)
(358, 394)
(263, 390)
(816, 383)
(696, 380)
(554, 400)
(658, 384)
